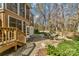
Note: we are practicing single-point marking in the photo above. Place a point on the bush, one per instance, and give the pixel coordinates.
(66, 48)
(36, 31)
(76, 38)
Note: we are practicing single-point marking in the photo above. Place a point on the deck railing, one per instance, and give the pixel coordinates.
(7, 35)
(10, 37)
(11, 34)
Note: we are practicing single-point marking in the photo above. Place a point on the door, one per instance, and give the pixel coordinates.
(27, 32)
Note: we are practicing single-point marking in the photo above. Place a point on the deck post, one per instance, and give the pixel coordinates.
(15, 47)
(15, 40)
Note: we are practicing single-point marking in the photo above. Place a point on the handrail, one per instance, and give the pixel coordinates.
(21, 32)
(14, 28)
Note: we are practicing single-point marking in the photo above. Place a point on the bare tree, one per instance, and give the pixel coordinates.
(54, 15)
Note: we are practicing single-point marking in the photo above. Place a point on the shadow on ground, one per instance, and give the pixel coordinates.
(21, 51)
(36, 38)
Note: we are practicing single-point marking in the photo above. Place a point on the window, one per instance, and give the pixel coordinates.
(22, 9)
(19, 24)
(12, 22)
(24, 27)
(27, 12)
(12, 7)
(28, 30)
(0, 5)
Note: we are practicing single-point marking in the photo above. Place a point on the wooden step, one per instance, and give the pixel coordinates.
(20, 44)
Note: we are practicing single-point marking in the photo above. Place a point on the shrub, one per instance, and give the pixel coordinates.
(36, 31)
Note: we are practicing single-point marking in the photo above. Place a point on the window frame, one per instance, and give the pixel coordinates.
(21, 10)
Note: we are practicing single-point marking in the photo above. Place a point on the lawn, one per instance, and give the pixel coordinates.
(66, 48)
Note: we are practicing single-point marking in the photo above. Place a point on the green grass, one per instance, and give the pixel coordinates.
(66, 48)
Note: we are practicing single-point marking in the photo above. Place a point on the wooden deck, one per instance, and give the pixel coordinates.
(10, 37)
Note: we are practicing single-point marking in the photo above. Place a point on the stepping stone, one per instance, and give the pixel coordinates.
(27, 51)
